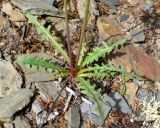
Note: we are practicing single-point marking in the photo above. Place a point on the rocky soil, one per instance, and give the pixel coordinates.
(26, 94)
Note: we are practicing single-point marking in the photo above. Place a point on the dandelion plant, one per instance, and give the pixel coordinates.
(83, 69)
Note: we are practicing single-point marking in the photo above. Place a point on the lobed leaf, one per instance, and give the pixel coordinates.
(40, 63)
(100, 71)
(101, 52)
(47, 35)
(89, 90)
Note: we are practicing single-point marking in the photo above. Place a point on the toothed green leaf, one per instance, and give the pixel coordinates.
(39, 63)
(48, 36)
(100, 71)
(101, 52)
(89, 90)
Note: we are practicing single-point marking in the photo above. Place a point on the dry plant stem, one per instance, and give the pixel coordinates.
(57, 96)
(68, 40)
(83, 30)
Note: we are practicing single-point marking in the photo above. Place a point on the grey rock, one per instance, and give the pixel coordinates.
(74, 117)
(10, 79)
(118, 102)
(33, 76)
(41, 118)
(125, 5)
(124, 17)
(14, 102)
(158, 96)
(92, 9)
(112, 10)
(40, 113)
(73, 25)
(130, 20)
(37, 7)
(139, 82)
(148, 6)
(21, 123)
(111, 2)
(50, 1)
(89, 112)
(137, 35)
(50, 89)
(144, 94)
(18, 123)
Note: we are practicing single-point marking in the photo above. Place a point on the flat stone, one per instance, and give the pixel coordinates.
(128, 54)
(118, 102)
(93, 11)
(111, 2)
(39, 111)
(90, 112)
(143, 94)
(7, 8)
(41, 118)
(54, 20)
(14, 102)
(50, 1)
(109, 28)
(131, 90)
(18, 123)
(138, 61)
(50, 89)
(10, 79)
(73, 117)
(122, 60)
(137, 35)
(144, 65)
(124, 17)
(37, 7)
(73, 25)
(147, 6)
(16, 15)
(158, 96)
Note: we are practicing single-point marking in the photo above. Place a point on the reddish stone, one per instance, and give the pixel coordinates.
(108, 27)
(130, 56)
(137, 60)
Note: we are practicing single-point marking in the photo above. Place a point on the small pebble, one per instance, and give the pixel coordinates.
(124, 17)
(147, 6)
(125, 6)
